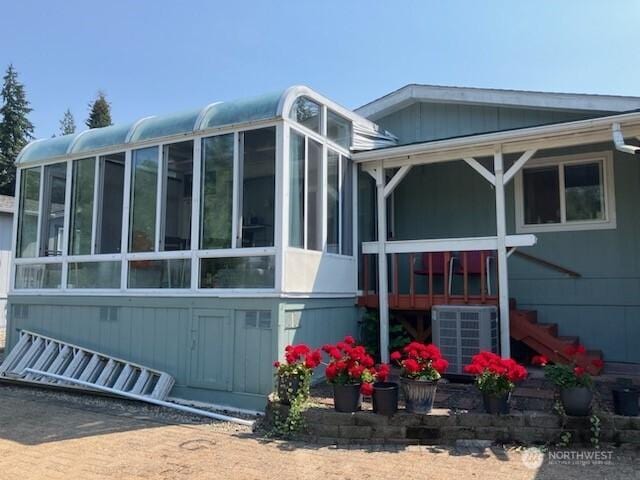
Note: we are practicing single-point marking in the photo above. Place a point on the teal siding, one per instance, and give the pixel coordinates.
(602, 307)
(219, 350)
(428, 121)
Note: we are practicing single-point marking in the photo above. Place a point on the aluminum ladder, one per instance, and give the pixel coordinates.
(71, 365)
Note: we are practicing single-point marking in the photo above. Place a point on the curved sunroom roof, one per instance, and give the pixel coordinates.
(215, 115)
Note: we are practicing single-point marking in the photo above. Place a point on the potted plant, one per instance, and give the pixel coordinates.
(572, 380)
(496, 378)
(422, 366)
(385, 394)
(625, 398)
(294, 374)
(352, 373)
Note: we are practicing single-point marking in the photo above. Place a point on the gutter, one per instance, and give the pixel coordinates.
(489, 140)
(618, 140)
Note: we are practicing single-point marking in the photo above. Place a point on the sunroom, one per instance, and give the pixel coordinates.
(198, 243)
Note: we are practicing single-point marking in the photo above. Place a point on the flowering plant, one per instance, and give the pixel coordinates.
(300, 360)
(420, 361)
(495, 375)
(351, 364)
(572, 374)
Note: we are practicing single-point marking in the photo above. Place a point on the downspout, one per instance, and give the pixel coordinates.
(618, 140)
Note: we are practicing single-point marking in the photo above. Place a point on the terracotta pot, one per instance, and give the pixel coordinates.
(576, 401)
(496, 404)
(347, 398)
(418, 394)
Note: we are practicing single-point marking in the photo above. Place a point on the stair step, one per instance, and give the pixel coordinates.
(571, 340)
(530, 316)
(550, 328)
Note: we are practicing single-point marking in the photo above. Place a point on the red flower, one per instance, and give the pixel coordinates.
(580, 350)
(411, 365)
(395, 356)
(579, 371)
(383, 372)
(440, 364)
(570, 350)
(349, 340)
(597, 362)
(356, 371)
(539, 360)
(331, 371)
(276, 364)
(366, 389)
(335, 353)
(473, 369)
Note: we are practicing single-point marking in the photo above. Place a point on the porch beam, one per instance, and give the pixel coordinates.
(449, 244)
(478, 167)
(503, 273)
(383, 287)
(518, 164)
(397, 178)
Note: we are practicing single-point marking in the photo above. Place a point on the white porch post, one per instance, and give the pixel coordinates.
(383, 287)
(503, 273)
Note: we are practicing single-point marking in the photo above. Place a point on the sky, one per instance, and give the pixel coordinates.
(155, 57)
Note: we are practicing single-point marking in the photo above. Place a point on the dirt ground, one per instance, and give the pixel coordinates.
(50, 435)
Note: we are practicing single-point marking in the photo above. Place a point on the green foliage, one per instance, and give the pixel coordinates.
(595, 430)
(99, 112)
(67, 124)
(15, 128)
(494, 384)
(370, 333)
(565, 437)
(564, 376)
(294, 422)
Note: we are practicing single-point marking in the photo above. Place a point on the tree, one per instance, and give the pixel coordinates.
(15, 128)
(67, 124)
(99, 112)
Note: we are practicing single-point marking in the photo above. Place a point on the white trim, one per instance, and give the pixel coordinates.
(608, 185)
(478, 167)
(66, 222)
(395, 180)
(517, 166)
(383, 287)
(280, 214)
(14, 236)
(98, 187)
(126, 215)
(463, 244)
(413, 93)
(501, 247)
(235, 192)
(196, 189)
(160, 172)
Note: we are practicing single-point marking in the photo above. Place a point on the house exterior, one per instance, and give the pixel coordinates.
(6, 223)
(204, 242)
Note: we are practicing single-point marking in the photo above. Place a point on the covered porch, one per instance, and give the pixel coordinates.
(417, 274)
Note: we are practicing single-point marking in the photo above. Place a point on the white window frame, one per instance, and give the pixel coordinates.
(609, 206)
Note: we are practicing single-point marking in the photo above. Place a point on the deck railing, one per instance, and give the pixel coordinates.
(417, 281)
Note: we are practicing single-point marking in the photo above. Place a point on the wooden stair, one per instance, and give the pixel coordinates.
(543, 338)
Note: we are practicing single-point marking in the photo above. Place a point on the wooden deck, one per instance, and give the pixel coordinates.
(424, 302)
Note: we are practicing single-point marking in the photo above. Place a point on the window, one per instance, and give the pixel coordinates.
(333, 202)
(346, 207)
(174, 273)
(296, 189)
(94, 275)
(566, 193)
(38, 275)
(144, 178)
(177, 186)
(338, 129)
(307, 112)
(314, 195)
(82, 190)
(258, 187)
(237, 272)
(110, 203)
(216, 209)
(28, 213)
(52, 228)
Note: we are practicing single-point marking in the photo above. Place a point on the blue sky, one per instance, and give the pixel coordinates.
(158, 56)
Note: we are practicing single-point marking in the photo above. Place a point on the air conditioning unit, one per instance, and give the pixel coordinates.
(463, 331)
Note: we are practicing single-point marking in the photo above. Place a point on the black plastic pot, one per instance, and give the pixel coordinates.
(496, 404)
(347, 398)
(385, 398)
(288, 387)
(576, 401)
(625, 401)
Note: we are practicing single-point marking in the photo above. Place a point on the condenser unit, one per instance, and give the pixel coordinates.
(462, 331)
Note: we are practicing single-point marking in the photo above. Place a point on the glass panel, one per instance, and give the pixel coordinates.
(217, 192)
(49, 148)
(583, 191)
(28, 213)
(41, 275)
(94, 275)
(258, 187)
(338, 129)
(237, 272)
(296, 190)
(240, 111)
(175, 273)
(165, 125)
(110, 200)
(101, 137)
(347, 207)
(541, 195)
(144, 179)
(314, 196)
(333, 202)
(51, 236)
(306, 112)
(367, 211)
(178, 183)
(82, 187)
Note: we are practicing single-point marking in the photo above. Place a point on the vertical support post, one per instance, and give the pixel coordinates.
(383, 287)
(503, 274)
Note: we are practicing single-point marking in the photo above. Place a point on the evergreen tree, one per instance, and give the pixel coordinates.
(99, 112)
(15, 128)
(67, 124)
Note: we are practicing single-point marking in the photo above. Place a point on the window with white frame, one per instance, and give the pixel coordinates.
(574, 192)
